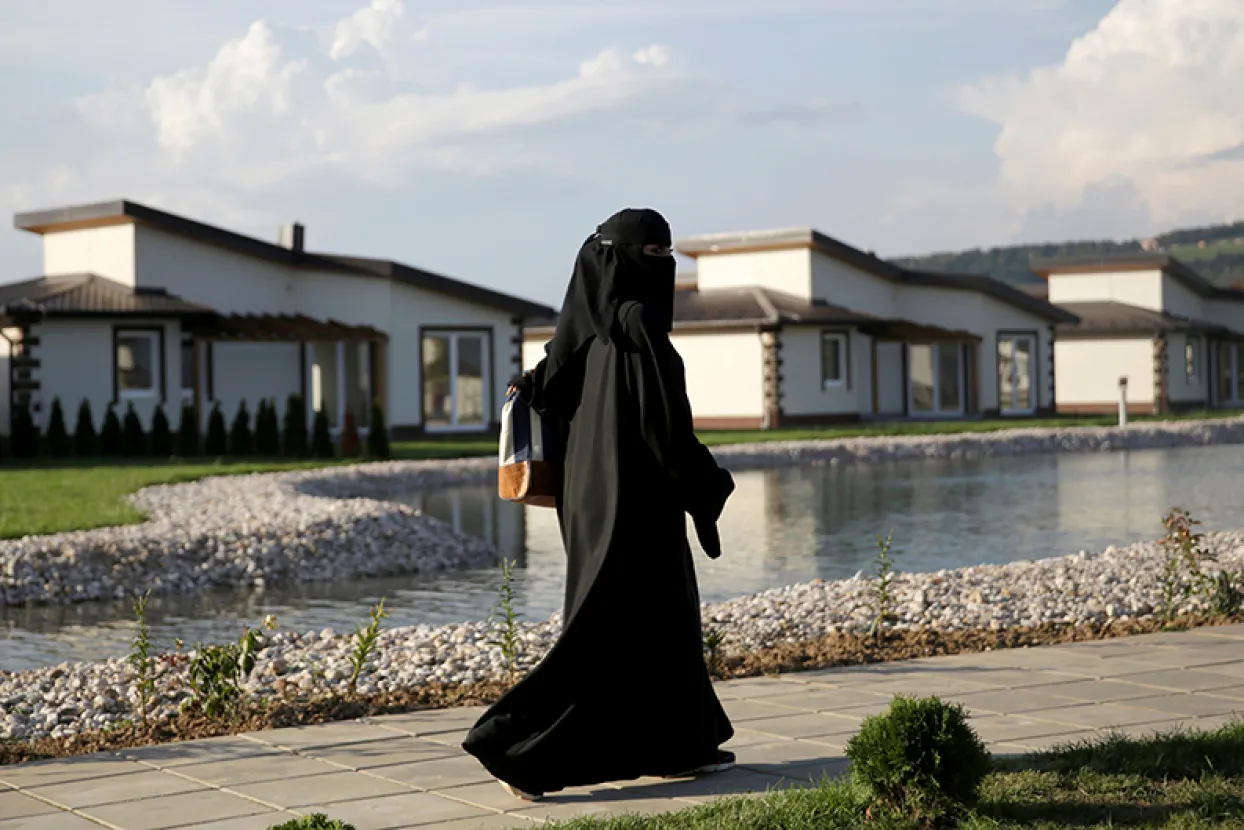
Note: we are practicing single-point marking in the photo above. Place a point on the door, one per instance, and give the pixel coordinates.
(1017, 367)
(935, 382)
(455, 381)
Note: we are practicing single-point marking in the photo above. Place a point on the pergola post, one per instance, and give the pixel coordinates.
(341, 385)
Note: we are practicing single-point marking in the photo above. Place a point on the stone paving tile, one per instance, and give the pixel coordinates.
(1018, 728)
(69, 769)
(1011, 701)
(1233, 692)
(742, 711)
(322, 735)
(493, 822)
(1098, 715)
(167, 756)
(1189, 705)
(258, 821)
(290, 793)
(754, 687)
(1184, 680)
(17, 805)
(58, 821)
(451, 740)
(1103, 691)
(431, 720)
(747, 737)
(938, 685)
(393, 811)
(172, 811)
(77, 795)
(825, 700)
(1018, 678)
(400, 749)
(435, 774)
(256, 770)
(785, 752)
(806, 725)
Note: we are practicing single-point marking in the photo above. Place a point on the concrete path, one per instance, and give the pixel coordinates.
(408, 771)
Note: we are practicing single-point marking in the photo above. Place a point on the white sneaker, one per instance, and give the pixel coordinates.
(519, 794)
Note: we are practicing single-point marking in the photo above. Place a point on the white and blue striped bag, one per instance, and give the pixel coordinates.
(530, 456)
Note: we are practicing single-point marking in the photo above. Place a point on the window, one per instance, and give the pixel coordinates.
(1192, 359)
(1016, 373)
(138, 364)
(833, 359)
(935, 378)
(455, 380)
(187, 369)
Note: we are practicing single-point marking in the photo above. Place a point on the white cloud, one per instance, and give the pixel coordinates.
(1150, 97)
(374, 25)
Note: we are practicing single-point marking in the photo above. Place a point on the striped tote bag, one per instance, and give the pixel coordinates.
(530, 456)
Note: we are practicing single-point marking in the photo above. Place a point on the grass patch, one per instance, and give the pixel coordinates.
(1187, 780)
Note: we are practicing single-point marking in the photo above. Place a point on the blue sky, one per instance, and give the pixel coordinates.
(486, 139)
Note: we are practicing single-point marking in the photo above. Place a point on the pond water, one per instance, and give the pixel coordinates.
(781, 527)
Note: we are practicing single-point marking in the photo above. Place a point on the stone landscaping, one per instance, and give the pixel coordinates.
(335, 524)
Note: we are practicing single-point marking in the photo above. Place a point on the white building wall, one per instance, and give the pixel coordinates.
(803, 392)
(840, 284)
(1138, 288)
(890, 379)
(787, 270)
(106, 251)
(222, 279)
(739, 393)
(1177, 298)
(1088, 371)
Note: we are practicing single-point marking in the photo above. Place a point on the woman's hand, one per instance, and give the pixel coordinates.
(519, 381)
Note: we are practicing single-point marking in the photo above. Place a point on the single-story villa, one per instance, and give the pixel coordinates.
(1176, 337)
(793, 327)
(139, 306)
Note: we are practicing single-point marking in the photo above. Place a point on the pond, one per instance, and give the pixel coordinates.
(781, 527)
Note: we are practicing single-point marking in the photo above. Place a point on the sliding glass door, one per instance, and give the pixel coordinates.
(1017, 374)
(1229, 374)
(455, 381)
(935, 379)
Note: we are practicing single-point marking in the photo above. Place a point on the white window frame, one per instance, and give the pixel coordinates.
(843, 352)
(453, 336)
(157, 368)
(936, 350)
(1033, 374)
(1193, 358)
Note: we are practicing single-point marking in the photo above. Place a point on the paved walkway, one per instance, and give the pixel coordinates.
(408, 771)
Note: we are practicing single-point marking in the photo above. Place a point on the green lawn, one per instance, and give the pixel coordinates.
(49, 496)
(1187, 781)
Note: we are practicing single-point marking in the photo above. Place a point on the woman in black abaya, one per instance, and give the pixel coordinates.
(624, 692)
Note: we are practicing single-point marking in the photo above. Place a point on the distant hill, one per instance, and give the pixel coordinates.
(1216, 253)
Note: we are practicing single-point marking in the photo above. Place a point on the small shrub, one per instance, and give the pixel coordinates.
(321, 440)
(920, 758)
(217, 672)
(365, 640)
(188, 431)
(1183, 555)
(1224, 594)
(85, 441)
(110, 441)
(217, 443)
(24, 435)
(295, 431)
(714, 657)
(507, 634)
(267, 430)
(161, 435)
(58, 443)
(133, 438)
(378, 435)
(240, 440)
(315, 821)
(883, 590)
(350, 446)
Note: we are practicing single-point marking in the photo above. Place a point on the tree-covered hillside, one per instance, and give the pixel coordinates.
(1216, 252)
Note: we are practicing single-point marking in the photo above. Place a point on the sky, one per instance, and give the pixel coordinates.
(485, 139)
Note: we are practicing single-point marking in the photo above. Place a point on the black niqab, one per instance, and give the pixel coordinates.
(624, 692)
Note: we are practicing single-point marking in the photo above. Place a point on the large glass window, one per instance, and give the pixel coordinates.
(935, 378)
(455, 380)
(1016, 373)
(138, 364)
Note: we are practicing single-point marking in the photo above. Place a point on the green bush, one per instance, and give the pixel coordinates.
(267, 430)
(58, 442)
(188, 431)
(24, 435)
(133, 438)
(315, 821)
(378, 435)
(240, 440)
(321, 440)
(110, 442)
(161, 435)
(350, 446)
(295, 426)
(85, 441)
(217, 444)
(920, 758)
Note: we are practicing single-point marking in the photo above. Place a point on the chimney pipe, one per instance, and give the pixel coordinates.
(293, 236)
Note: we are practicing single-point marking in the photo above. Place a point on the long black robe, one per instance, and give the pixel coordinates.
(625, 691)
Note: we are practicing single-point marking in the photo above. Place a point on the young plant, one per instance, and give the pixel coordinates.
(1183, 555)
(217, 672)
(714, 641)
(110, 441)
(295, 428)
(365, 640)
(188, 431)
(506, 618)
(241, 440)
(1224, 594)
(883, 589)
(321, 438)
(140, 658)
(315, 821)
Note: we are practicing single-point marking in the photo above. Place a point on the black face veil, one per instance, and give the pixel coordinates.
(612, 269)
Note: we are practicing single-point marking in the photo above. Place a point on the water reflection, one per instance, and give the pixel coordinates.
(781, 527)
